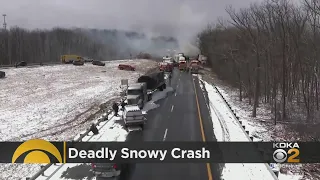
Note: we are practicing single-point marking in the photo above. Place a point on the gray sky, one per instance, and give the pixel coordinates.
(179, 18)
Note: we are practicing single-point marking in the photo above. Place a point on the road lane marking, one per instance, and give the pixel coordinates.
(202, 130)
(165, 135)
(172, 107)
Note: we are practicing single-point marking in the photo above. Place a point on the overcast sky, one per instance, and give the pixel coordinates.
(179, 18)
(163, 16)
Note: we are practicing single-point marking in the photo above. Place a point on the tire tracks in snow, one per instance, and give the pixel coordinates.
(223, 125)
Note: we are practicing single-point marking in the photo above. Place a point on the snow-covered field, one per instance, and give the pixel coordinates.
(39, 102)
(56, 102)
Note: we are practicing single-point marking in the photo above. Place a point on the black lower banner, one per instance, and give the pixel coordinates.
(41, 151)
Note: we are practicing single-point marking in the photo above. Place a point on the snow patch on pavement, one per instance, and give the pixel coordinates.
(156, 97)
(226, 128)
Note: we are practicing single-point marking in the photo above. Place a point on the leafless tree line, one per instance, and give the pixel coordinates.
(270, 52)
(43, 46)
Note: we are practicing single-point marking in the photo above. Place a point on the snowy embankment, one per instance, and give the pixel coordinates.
(108, 131)
(226, 128)
(56, 102)
(261, 128)
(46, 102)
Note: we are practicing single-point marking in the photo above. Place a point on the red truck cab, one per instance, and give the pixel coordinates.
(182, 65)
(162, 66)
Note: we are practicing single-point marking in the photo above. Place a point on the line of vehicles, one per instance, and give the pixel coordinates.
(137, 95)
(184, 63)
(79, 60)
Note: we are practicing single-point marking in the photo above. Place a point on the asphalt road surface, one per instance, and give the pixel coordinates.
(182, 116)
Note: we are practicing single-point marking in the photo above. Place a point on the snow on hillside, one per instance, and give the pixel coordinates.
(56, 102)
(45, 102)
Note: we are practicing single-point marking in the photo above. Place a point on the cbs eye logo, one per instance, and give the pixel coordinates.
(281, 155)
(37, 151)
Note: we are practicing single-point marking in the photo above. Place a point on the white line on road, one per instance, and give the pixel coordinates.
(172, 108)
(165, 135)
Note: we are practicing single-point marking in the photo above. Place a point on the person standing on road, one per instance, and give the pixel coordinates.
(170, 77)
(122, 105)
(115, 108)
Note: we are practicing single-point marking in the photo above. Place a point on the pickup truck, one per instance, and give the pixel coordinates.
(133, 116)
(107, 170)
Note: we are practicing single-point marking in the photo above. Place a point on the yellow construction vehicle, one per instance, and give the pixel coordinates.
(67, 59)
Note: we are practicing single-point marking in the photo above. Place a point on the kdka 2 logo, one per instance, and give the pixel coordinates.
(291, 155)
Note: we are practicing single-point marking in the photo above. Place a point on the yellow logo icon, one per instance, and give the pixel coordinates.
(36, 146)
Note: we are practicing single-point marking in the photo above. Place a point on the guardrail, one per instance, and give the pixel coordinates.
(82, 135)
(242, 127)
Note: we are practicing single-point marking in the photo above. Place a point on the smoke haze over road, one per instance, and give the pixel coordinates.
(181, 19)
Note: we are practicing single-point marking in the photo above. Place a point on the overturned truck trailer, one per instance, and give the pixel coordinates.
(154, 80)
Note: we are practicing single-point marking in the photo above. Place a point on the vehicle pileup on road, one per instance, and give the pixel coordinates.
(183, 65)
(138, 94)
(141, 91)
(194, 66)
(167, 64)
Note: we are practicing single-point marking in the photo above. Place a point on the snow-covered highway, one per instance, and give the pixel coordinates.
(189, 110)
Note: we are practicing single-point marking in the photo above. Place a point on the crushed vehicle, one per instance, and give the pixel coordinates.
(141, 92)
(133, 116)
(169, 66)
(98, 63)
(162, 66)
(21, 63)
(87, 59)
(154, 80)
(107, 170)
(2, 74)
(126, 67)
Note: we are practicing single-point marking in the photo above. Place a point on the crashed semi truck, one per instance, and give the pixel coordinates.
(141, 92)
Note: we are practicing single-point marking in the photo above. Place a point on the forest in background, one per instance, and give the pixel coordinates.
(46, 46)
(269, 51)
